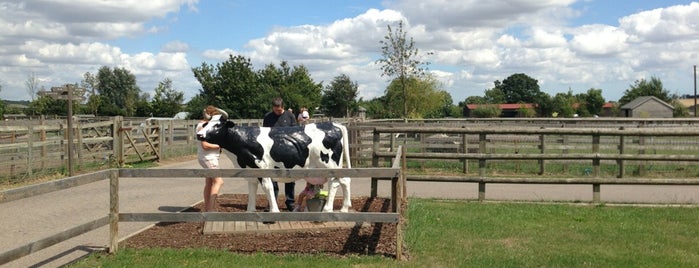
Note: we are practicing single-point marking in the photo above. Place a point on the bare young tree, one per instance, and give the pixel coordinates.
(32, 85)
(400, 59)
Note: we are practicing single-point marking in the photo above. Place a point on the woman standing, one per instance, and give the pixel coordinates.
(208, 155)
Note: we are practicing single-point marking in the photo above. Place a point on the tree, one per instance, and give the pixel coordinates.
(32, 85)
(377, 108)
(494, 95)
(231, 85)
(340, 97)
(400, 60)
(642, 88)
(563, 104)
(167, 101)
(118, 91)
(519, 88)
(90, 83)
(591, 102)
(293, 84)
(425, 96)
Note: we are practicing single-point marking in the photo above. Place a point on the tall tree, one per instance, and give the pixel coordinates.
(118, 91)
(233, 86)
(32, 85)
(167, 101)
(563, 104)
(340, 97)
(400, 60)
(425, 96)
(293, 84)
(642, 87)
(519, 88)
(591, 102)
(90, 83)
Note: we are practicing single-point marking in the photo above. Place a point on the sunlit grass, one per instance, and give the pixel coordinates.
(450, 233)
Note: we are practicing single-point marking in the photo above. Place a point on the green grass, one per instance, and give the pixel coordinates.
(449, 233)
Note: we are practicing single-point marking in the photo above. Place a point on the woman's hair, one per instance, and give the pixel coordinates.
(210, 111)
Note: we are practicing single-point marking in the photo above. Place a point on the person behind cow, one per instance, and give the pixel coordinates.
(302, 119)
(208, 155)
(280, 117)
(313, 187)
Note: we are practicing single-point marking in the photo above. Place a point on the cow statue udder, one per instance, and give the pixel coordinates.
(321, 145)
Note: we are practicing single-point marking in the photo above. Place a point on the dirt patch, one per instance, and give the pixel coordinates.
(367, 239)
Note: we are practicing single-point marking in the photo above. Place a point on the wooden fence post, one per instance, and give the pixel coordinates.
(620, 162)
(464, 149)
(118, 140)
(595, 150)
(375, 162)
(542, 147)
(114, 211)
(481, 149)
(30, 148)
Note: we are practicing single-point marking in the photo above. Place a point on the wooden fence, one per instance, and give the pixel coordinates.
(394, 173)
(29, 148)
(36, 147)
(619, 147)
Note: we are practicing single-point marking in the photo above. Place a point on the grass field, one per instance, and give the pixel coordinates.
(451, 233)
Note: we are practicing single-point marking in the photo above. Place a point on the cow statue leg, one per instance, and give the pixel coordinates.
(346, 197)
(252, 194)
(268, 189)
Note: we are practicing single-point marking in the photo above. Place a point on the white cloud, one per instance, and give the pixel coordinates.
(676, 23)
(599, 40)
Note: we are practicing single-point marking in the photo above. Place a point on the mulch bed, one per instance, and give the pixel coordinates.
(365, 239)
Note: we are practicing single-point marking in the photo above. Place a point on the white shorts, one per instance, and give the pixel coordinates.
(208, 163)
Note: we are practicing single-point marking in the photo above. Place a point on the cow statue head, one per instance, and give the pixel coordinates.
(215, 131)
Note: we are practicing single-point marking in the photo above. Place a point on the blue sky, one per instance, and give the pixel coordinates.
(564, 44)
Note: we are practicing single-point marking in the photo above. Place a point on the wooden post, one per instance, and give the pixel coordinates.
(620, 162)
(565, 151)
(114, 211)
(595, 149)
(481, 191)
(464, 149)
(596, 193)
(118, 140)
(30, 148)
(79, 145)
(542, 147)
(481, 149)
(642, 150)
(42, 137)
(401, 189)
(375, 162)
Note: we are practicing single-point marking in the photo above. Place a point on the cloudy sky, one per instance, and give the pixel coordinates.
(564, 44)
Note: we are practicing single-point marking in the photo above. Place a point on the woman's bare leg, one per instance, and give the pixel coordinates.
(211, 189)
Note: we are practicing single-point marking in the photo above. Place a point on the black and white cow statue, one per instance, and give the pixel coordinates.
(322, 145)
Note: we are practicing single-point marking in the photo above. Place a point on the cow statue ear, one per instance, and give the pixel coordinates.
(230, 124)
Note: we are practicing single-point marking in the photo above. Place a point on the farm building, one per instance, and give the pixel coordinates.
(647, 106)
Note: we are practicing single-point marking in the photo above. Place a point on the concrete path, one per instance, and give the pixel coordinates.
(26, 220)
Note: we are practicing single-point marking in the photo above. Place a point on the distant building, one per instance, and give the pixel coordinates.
(647, 106)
